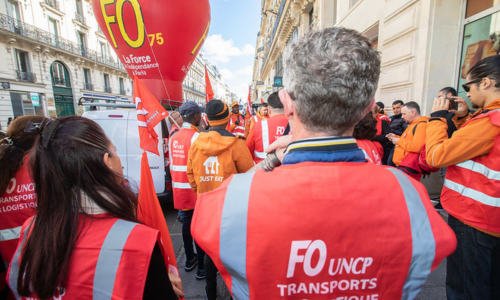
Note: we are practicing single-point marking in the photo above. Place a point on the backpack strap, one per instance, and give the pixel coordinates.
(415, 128)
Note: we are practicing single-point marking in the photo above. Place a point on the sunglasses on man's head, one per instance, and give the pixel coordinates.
(466, 87)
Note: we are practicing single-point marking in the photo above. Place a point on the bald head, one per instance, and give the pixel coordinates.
(176, 117)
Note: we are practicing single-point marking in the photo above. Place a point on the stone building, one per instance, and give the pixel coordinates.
(425, 45)
(55, 54)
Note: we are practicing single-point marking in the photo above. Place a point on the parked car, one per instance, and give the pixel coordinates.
(121, 127)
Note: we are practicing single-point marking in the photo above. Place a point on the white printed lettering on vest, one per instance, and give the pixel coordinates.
(11, 187)
(280, 130)
(302, 252)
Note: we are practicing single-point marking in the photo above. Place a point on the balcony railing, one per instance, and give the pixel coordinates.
(259, 83)
(26, 76)
(276, 22)
(88, 86)
(107, 89)
(59, 81)
(122, 91)
(52, 3)
(260, 49)
(79, 18)
(201, 93)
(42, 36)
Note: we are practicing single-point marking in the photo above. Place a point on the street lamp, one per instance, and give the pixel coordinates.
(264, 15)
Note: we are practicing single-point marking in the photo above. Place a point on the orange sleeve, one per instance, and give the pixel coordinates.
(242, 157)
(251, 144)
(476, 139)
(418, 141)
(189, 170)
(459, 122)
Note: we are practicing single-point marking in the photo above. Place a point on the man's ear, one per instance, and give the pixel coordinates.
(288, 103)
(106, 160)
(370, 107)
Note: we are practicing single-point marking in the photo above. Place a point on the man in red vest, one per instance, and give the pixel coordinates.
(471, 192)
(184, 196)
(262, 114)
(338, 235)
(267, 131)
(236, 123)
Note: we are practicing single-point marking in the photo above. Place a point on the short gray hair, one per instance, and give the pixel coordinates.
(332, 75)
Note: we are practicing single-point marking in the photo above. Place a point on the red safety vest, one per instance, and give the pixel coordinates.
(240, 129)
(267, 131)
(339, 236)
(184, 196)
(373, 150)
(471, 190)
(17, 204)
(110, 260)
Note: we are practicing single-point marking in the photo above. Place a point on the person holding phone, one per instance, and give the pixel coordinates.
(471, 190)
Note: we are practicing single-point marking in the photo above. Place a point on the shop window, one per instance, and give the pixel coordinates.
(477, 6)
(481, 39)
(22, 105)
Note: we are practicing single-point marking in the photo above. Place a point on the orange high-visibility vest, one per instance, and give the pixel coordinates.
(17, 204)
(110, 260)
(339, 236)
(240, 129)
(179, 144)
(471, 191)
(266, 131)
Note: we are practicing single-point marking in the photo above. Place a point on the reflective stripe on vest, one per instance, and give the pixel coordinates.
(178, 168)
(423, 249)
(256, 119)
(109, 259)
(265, 140)
(181, 168)
(107, 263)
(14, 268)
(181, 185)
(233, 235)
(366, 155)
(480, 168)
(473, 194)
(10, 234)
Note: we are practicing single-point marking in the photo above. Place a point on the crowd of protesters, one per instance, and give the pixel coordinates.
(337, 171)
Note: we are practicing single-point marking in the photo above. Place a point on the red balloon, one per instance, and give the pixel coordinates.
(156, 40)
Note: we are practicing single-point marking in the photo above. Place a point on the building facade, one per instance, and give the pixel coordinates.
(425, 45)
(53, 54)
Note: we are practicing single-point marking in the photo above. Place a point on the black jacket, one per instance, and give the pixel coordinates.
(398, 124)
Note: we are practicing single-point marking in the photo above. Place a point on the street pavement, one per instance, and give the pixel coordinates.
(433, 289)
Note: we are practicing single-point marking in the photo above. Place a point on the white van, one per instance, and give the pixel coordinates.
(121, 128)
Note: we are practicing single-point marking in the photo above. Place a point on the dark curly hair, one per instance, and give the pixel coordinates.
(366, 129)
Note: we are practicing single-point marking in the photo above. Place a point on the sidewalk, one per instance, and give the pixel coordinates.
(193, 289)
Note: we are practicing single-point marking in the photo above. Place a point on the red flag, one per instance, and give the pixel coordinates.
(150, 214)
(261, 101)
(209, 93)
(249, 105)
(149, 113)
